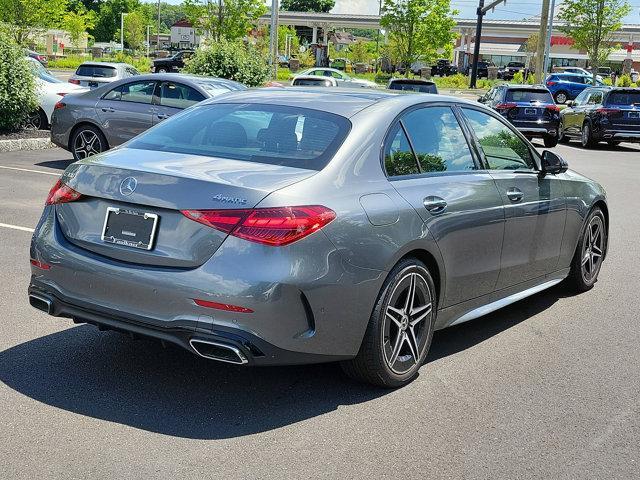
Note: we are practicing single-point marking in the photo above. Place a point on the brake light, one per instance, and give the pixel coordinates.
(59, 105)
(40, 265)
(222, 306)
(608, 111)
(61, 193)
(553, 108)
(551, 84)
(75, 82)
(506, 106)
(270, 226)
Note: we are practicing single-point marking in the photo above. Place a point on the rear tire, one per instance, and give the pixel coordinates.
(561, 97)
(586, 138)
(591, 249)
(86, 141)
(550, 141)
(400, 328)
(162, 70)
(37, 120)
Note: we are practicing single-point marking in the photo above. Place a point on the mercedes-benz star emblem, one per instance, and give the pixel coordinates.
(128, 186)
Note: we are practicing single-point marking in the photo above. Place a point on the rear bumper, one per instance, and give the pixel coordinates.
(621, 136)
(537, 130)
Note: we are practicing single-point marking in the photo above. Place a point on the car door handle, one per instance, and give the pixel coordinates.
(515, 194)
(434, 204)
(108, 109)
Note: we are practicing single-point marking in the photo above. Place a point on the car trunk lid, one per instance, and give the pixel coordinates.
(161, 184)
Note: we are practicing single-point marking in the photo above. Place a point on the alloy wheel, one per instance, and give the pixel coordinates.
(561, 97)
(407, 321)
(34, 121)
(586, 134)
(86, 143)
(592, 249)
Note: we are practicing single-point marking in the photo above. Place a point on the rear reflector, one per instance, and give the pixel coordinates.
(61, 193)
(59, 105)
(222, 306)
(40, 265)
(269, 226)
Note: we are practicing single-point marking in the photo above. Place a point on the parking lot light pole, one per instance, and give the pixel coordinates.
(476, 47)
(122, 14)
(274, 38)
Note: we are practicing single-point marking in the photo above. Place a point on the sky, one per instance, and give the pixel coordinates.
(513, 10)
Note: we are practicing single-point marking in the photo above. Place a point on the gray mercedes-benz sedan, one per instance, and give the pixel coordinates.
(282, 226)
(103, 118)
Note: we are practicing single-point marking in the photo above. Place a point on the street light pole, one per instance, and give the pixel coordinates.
(273, 57)
(122, 14)
(148, 26)
(158, 35)
(476, 45)
(547, 52)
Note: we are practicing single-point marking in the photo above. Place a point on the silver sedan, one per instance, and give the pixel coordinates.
(280, 226)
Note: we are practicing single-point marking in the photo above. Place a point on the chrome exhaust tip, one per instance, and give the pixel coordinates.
(218, 351)
(41, 303)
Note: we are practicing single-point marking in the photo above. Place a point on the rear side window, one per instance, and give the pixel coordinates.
(272, 134)
(398, 155)
(624, 98)
(177, 95)
(96, 71)
(530, 95)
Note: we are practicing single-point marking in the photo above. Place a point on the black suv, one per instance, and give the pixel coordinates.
(530, 108)
(443, 68)
(511, 69)
(602, 114)
(483, 68)
(171, 64)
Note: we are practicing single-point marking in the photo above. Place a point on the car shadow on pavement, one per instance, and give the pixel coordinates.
(170, 391)
(56, 164)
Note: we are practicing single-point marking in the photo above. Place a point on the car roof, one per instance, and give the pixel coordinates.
(537, 86)
(161, 77)
(340, 101)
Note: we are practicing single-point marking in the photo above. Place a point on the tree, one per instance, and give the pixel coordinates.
(283, 32)
(322, 6)
(228, 19)
(169, 14)
(591, 24)
(359, 52)
(108, 23)
(28, 17)
(134, 29)
(77, 21)
(17, 85)
(419, 29)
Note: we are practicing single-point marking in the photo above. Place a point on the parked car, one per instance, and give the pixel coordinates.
(483, 68)
(95, 74)
(341, 78)
(313, 81)
(443, 68)
(412, 85)
(567, 86)
(530, 108)
(105, 117)
(578, 71)
(42, 59)
(297, 225)
(602, 114)
(50, 91)
(174, 63)
(508, 72)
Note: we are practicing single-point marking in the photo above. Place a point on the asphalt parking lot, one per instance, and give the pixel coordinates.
(546, 388)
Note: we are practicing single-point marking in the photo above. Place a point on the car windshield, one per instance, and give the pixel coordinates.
(273, 134)
(41, 72)
(96, 71)
(528, 95)
(628, 97)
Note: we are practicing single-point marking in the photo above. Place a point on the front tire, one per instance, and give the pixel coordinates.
(162, 70)
(590, 252)
(586, 138)
(37, 120)
(400, 328)
(561, 97)
(87, 141)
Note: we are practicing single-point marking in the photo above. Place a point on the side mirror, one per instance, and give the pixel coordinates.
(569, 103)
(552, 163)
(481, 99)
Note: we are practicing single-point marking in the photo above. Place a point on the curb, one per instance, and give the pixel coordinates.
(25, 144)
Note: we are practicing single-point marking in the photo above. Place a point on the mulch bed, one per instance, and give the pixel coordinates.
(24, 134)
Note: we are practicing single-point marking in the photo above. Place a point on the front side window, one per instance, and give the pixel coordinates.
(581, 98)
(438, 140)
(273, 134)
(595, 98)
(502, 147)
(177, 95)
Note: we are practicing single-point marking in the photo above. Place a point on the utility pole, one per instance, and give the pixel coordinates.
(547, 52)
(476, 47)
(273, 55)
(542, 42)
(122, 14)
(158, 35)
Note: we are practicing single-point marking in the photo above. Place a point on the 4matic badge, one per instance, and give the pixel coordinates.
(224, 199)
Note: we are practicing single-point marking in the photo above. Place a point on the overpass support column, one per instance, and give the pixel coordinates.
(314, 36)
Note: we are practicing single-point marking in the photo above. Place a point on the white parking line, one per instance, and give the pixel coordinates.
(16, 227)
(32, 171)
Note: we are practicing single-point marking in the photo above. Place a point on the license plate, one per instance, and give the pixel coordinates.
(634, 114)
(129, 228)
(93, 84)
(530, 111)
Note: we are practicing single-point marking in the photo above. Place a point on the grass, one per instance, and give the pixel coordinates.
(142, 64)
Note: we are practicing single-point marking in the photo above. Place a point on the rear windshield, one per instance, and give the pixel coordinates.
(515, 64)
(413, 87)
(624, 98)
(313, 82)
(96, 71)
(273, 134)
(531, 95)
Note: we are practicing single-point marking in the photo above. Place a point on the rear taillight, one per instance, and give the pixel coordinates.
(506, 106)
(62, 193)
(40, 265)
(609, 112)
(551, 84)
(59, 105)
(270, 226)
(75, 82)
(553, 108)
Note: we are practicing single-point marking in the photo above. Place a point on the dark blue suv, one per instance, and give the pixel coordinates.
(530, 108)
(567, 86)
(602, 114)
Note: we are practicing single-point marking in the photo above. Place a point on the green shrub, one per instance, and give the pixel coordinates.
(624, 81)
(607, 81)
(142, 64)
(382, 78)
(232, 60)
(18, 95)
(284, 74)
(518, 77)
